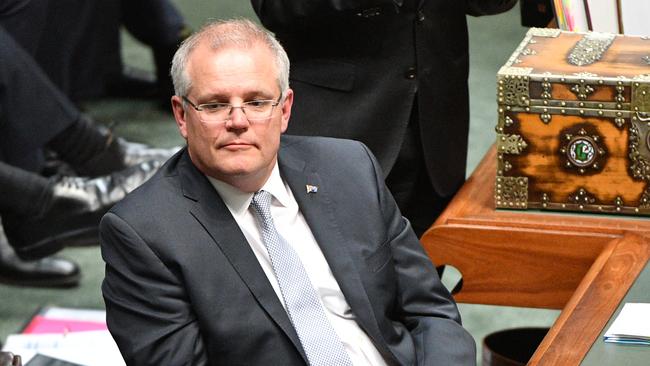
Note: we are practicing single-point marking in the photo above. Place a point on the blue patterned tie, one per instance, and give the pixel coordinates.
(318, 338)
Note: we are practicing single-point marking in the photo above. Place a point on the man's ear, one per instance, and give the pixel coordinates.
(179, 115)
(286, 109)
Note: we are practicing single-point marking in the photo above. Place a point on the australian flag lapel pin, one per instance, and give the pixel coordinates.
(311, 189)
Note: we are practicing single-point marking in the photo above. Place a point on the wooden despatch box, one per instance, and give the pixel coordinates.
(574, 123)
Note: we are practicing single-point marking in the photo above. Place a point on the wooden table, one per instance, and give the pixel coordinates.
(581, 263)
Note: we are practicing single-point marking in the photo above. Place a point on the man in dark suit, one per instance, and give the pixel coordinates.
(391, 74)
(249, 248)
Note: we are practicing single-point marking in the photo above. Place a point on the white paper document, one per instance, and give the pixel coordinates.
(631, 326)
(93, 348)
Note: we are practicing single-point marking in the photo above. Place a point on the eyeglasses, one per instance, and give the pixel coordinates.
(254, 110)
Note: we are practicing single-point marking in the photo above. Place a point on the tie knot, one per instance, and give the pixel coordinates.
(261, 203)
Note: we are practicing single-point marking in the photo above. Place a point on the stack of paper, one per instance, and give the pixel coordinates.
(78, 336)
(631, 326)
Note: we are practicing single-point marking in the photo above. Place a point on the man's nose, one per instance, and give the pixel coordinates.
(238, 118)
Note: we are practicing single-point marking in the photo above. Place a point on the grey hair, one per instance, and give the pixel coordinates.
(222, 33)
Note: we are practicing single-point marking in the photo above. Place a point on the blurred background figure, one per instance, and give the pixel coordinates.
(82, 57)
(392, 74)
(59, 172)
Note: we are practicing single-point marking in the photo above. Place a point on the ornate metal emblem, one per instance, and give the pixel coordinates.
(590, 48)
(582, 90)
(618, 203)
(620, 89)
(581, 198)
(619, 122)
(640, 97)
(511, 192)
(510, 144)
(544, 32)
(639, 148)
(546, 199)
(513, 90)
(546, 89)
(582, 151)
(585, 74)
(645, 199)
(529, 52)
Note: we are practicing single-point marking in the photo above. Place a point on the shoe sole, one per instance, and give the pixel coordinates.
(55, 243)
(61, 282)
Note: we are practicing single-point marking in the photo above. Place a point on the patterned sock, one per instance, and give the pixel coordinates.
(80, 142)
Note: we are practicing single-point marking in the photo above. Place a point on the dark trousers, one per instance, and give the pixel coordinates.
(77, 42)
(410, 184)
(32, 109)
(25, 21)
(156, 23)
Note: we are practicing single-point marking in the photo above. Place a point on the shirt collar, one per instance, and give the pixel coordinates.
(238, 201)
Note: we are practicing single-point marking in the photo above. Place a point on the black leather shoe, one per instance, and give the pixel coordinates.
(73, 213)
(45, 272)
(120, 154)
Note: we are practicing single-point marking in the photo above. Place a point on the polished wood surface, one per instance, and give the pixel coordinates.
(593, 302)
(544, 164)
(518, 258)
(624, 57)
(582, 263)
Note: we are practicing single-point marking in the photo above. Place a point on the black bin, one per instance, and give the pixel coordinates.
(511, 347)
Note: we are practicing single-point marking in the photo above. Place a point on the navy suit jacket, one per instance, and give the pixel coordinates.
(183, 287)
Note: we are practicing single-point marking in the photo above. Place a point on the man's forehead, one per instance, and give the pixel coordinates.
(207, 46)
(231, 62)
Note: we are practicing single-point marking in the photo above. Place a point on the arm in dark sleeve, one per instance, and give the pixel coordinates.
(489, 7)
(280, 14)
(147, 311)
(425, 306)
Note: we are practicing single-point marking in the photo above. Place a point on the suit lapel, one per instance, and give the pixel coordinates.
(318, 210)
(210, 210)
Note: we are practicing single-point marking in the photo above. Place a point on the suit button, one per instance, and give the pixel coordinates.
(410, 73)
(369, 13)
(421, 16)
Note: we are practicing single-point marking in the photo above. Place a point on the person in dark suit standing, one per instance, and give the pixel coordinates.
(391, 74)
(253, 248)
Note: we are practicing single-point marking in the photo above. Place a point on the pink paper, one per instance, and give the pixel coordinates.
(40, 324)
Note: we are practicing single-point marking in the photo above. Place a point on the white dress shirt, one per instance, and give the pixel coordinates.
(291, 224)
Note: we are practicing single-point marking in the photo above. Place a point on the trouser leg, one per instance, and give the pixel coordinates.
(410, 184)
(24, 20)
(156, 23)
(23, 192)
(32, 109)
(80, 49)
(159, 24)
